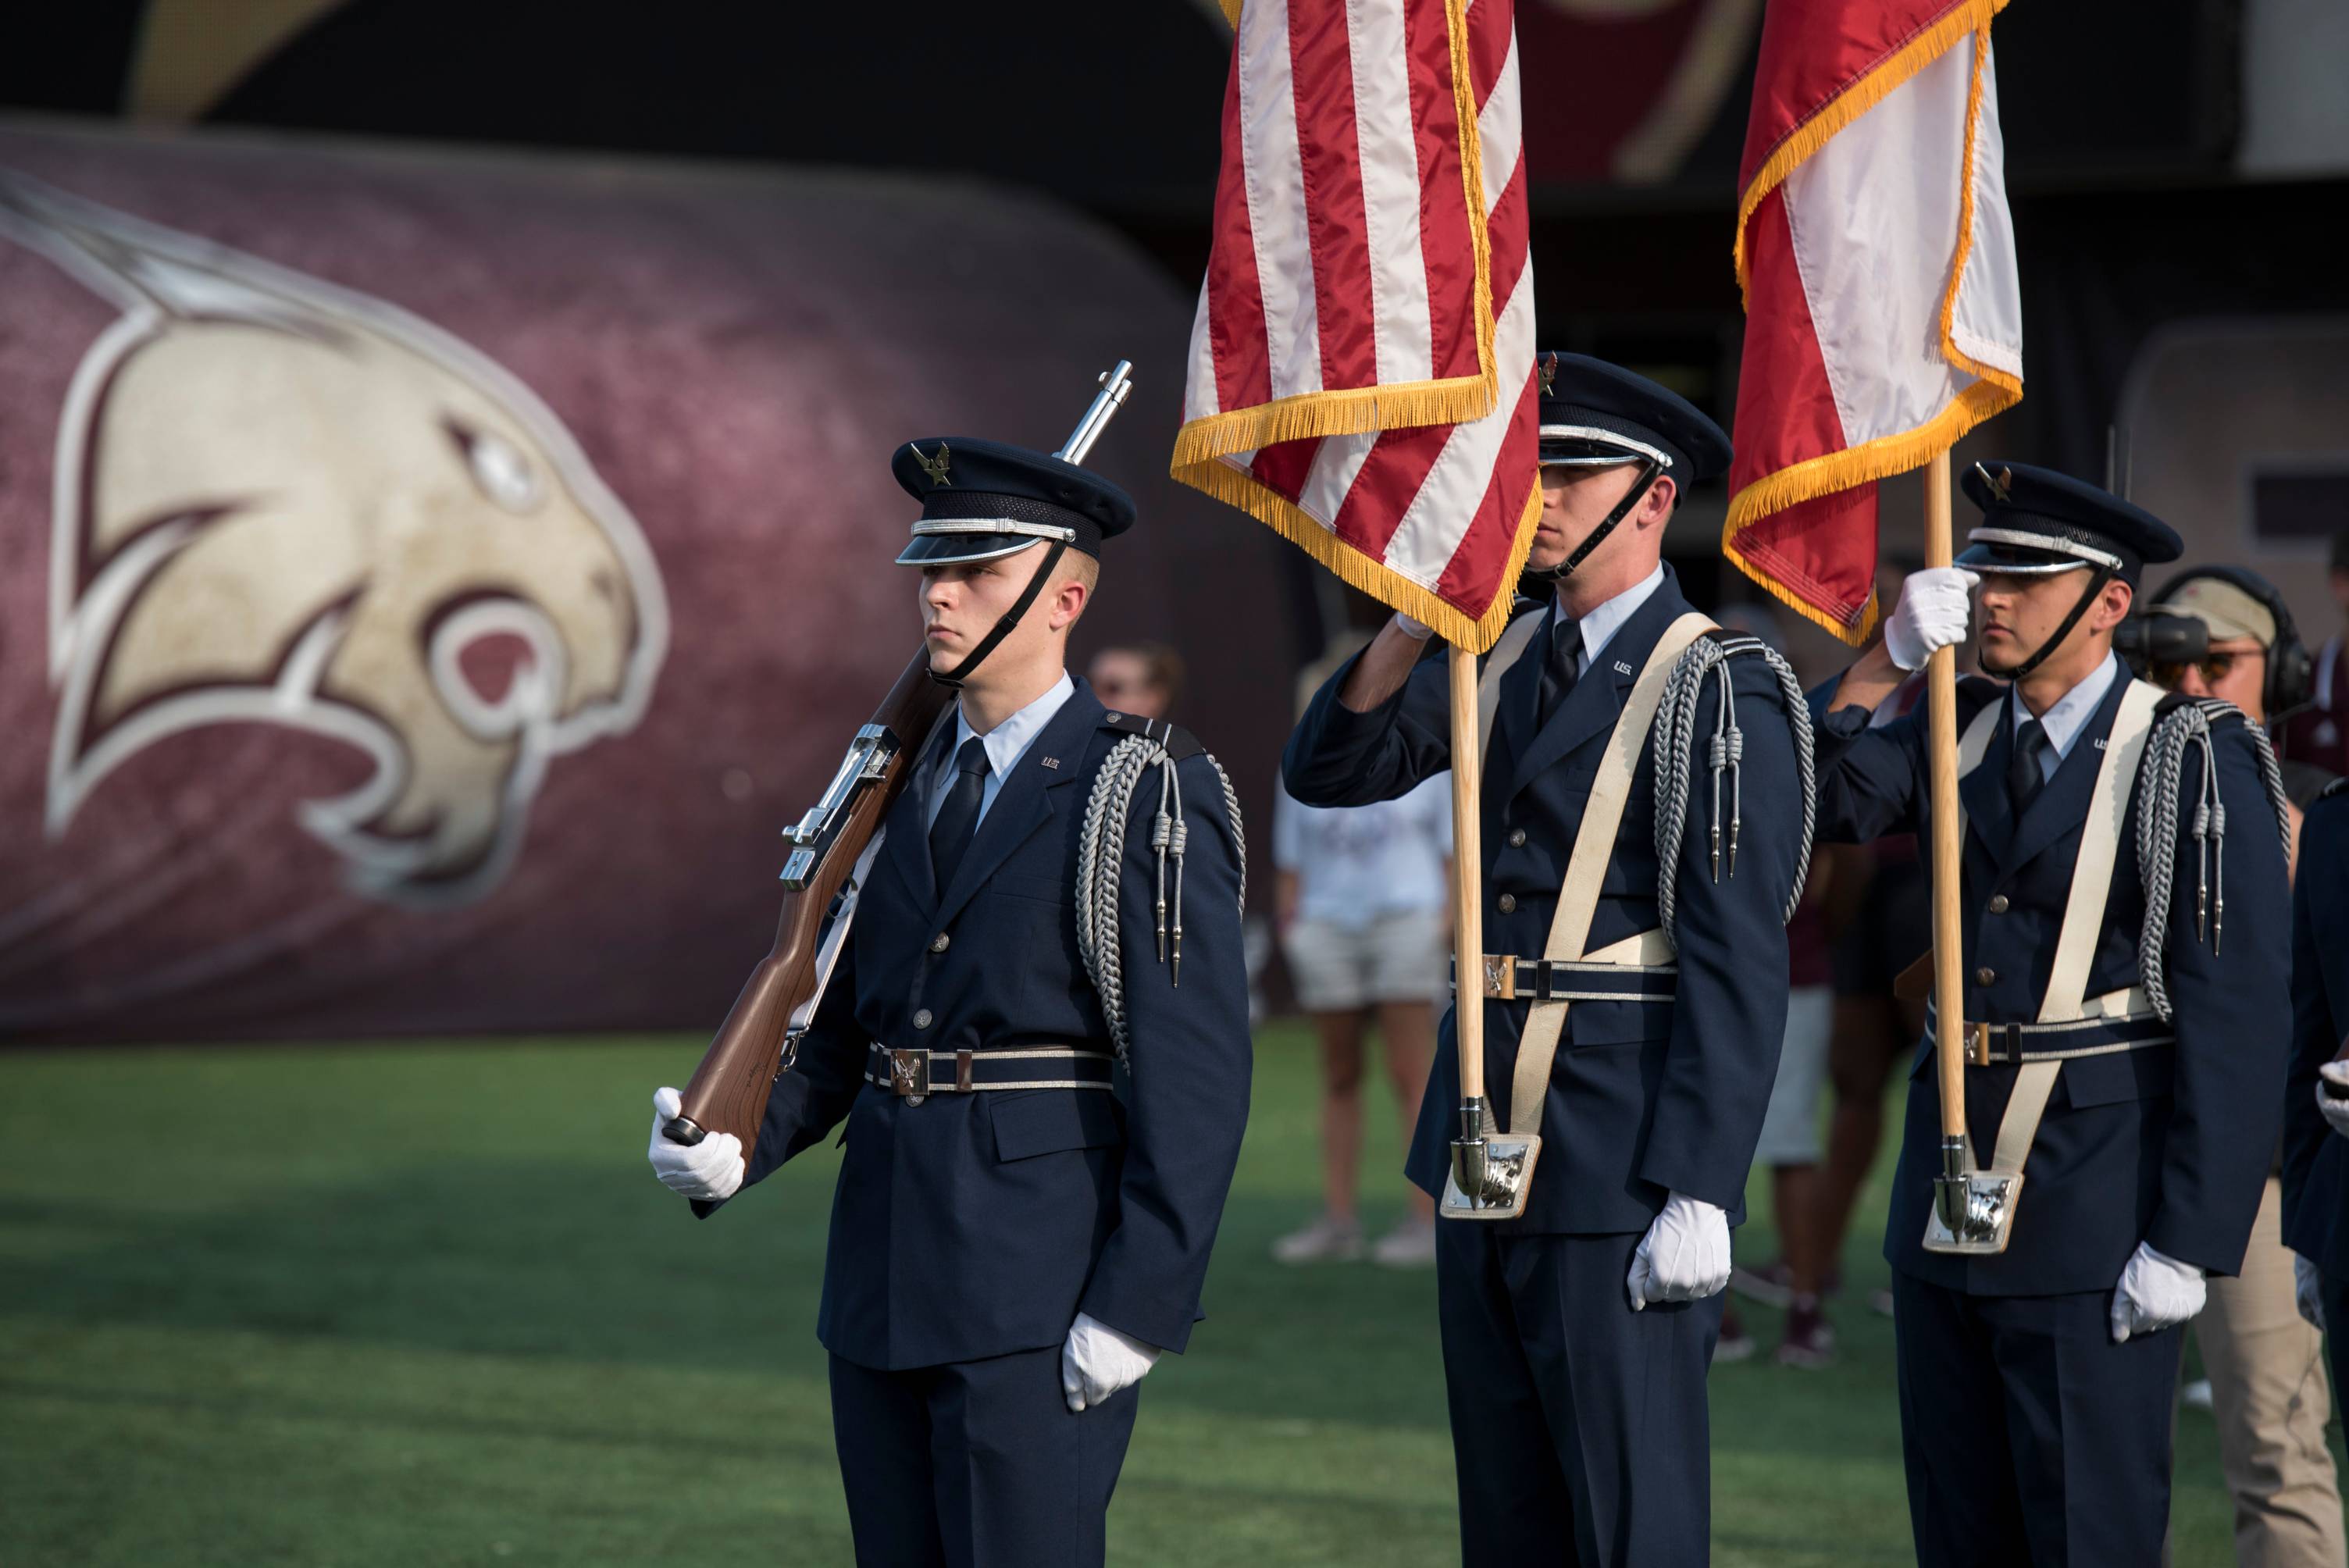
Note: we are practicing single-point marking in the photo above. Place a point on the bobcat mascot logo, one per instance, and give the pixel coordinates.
(282, 501)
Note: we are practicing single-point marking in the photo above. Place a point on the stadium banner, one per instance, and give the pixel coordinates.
(430, 583)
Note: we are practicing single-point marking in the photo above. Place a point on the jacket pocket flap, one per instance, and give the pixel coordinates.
(1048, 1120)
(2123, 1075)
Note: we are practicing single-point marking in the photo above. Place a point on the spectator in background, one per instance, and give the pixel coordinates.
(1141, 678)
(1362, 895)
(2267, 1383)
(1790, 1147)
(2319, 733)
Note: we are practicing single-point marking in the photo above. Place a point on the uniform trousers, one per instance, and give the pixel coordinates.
(2029, 1437)
(1578, 1426)
(977, 1464)
(2268, 1392)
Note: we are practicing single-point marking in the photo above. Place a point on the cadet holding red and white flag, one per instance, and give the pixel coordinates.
(2086, 881)
(1621, 912)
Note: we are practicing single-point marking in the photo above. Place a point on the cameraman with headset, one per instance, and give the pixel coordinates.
(2223, 632)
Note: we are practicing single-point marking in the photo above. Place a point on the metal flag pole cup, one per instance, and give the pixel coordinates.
(1973, 1211)
(1490, 1168)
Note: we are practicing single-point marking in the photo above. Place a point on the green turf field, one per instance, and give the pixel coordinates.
(422, 1303)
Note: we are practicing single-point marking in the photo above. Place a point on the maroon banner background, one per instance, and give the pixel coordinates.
(357, 459)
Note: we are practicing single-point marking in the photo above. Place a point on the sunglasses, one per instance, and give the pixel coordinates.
(2215, 667)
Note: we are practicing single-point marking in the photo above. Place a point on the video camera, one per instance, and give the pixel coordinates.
(2156, 635)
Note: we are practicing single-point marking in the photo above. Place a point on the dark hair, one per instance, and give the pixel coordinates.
(1162, 665)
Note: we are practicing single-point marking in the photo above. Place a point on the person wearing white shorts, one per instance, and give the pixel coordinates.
(1364, 926)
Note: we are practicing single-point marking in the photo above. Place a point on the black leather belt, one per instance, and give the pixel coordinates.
(2009, 1045)
(1510, 978)
(915, 1074)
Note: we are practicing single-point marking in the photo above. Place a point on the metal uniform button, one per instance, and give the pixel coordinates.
(1508, 904)
(1986, 976)
(922, 1019)
(1998, 904)
(939, 943)
(1517, 839)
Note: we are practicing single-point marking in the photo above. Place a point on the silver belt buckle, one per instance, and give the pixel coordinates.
(909, 1075)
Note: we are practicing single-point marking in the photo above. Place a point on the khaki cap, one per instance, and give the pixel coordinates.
(2227, 610)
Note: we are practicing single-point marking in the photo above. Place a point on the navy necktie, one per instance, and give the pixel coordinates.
(950, 831)
(2024, 777)
(1558, 674)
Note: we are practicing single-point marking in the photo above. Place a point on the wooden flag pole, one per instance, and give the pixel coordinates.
(1949, 937)
(1467, 925)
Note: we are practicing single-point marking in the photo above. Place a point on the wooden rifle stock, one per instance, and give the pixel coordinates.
(728, 1092)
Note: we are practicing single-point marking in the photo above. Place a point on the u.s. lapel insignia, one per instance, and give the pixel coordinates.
(935, 468)
(1052, 763)
(1621, 668)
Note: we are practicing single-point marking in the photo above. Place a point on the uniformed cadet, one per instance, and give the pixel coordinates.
(2316, 1100)
(2124, 905)
(1044, 1069)
(1577, 1336)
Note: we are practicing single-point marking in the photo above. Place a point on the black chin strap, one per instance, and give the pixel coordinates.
(1649, 470)
(2097, 581)
(986, 645)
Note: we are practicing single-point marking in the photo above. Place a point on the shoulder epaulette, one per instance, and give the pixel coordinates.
(2338, 787)
(1180, 743)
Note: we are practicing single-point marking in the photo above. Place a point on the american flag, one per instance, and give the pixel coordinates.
(1361, 369)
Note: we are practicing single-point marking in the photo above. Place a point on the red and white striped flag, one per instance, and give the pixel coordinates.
(1884, 315)
(1362, 372)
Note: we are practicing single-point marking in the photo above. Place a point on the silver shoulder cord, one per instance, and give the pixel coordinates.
(2187, 727)
(1101, 866)
(1675, 746)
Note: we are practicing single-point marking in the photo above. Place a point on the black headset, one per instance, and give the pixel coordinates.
(2292, 670)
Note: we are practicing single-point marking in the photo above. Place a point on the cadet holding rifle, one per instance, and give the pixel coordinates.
(1035, 1032)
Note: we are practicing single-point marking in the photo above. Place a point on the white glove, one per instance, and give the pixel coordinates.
(1098, 1361)
(710, 1170)
(2334, 1111)
(2306, 1293)
(1934, 613)
(1412, 629)
(1684, 1256)
(2156, 1292)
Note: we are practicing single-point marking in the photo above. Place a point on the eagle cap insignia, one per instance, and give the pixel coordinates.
(2002, 483)
(935, 468)
(1549, 372)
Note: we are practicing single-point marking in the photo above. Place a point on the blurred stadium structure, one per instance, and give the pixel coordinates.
(421, 615)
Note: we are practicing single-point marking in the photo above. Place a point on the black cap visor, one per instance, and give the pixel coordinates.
(973, 539)
(1581, 447)
(2012, 553)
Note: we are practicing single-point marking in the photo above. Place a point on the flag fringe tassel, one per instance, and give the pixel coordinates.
(1877, 460)
(1306, 416)
(1236, 486)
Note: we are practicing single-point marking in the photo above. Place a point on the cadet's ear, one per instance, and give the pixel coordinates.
(1070, 597)
(2112, 606)
(1656, 506)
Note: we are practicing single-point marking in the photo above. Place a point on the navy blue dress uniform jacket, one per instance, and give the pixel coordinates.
(2168, 1145)
(2317, 1160)
(1645, 1099)
(976, 1225)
